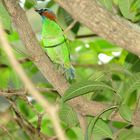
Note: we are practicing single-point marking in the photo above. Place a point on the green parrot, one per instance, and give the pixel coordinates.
(55, 43)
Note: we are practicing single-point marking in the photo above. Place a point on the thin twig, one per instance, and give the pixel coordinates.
(25, 124)
(7, 132)
(21, 61)
(22, 92)
(70, 27)
(86, 36)
(83, 123)
(40, 116)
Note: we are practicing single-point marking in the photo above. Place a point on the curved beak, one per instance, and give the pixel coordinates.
(36, 10)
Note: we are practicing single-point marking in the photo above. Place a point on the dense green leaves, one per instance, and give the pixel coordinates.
(102, 70)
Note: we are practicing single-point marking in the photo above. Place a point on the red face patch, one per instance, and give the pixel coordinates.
(49, 15)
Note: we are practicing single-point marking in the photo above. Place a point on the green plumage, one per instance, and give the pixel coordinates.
(55, 44)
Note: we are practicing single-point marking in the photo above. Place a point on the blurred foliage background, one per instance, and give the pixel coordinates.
(93, 58)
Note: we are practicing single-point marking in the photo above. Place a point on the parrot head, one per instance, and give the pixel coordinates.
(45, 12)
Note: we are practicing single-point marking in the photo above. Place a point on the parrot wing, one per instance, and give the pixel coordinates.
(56, 46)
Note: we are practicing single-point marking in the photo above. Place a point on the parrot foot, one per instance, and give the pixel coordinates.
(59, 68)
(70, 74)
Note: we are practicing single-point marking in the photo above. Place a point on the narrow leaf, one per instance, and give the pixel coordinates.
(68, 115)
(125, 6)
(100, 128)
(84, 87)
(125, 112)
(132, 84)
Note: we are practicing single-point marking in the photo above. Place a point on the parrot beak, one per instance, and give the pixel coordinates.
(38, 11)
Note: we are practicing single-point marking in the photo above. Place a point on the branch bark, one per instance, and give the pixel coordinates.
(105, 24)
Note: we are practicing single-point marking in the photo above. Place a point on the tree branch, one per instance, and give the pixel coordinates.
(25, 124)
(105, 24)
(23, 92)
(86, 36)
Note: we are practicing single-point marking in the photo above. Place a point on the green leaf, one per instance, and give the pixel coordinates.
(125, 112)
(100, 128)
(68, 115)
(125, 6)
(132, 99)
(135, 5)
(132, 84)
(13, 36)
(128, 134)
(132, 62)
(50, 3)
(107, 4)
(25, 109)
(115, 2)
(4, 78)
(47, 127)
(74, 133)
(4, 17)
(30, 3)
(14, 80)
(84, 87)
(103, 46)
